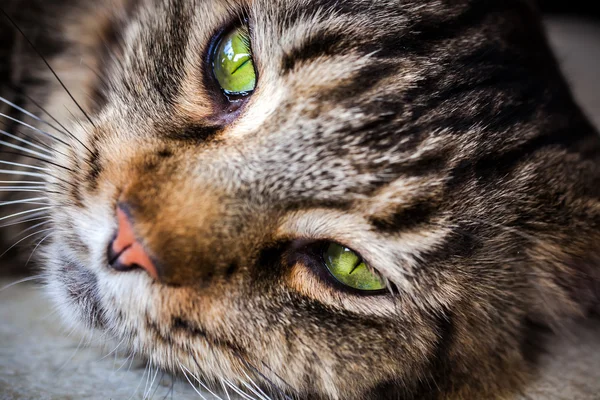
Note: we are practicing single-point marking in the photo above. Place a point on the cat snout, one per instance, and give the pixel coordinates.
(125, 252)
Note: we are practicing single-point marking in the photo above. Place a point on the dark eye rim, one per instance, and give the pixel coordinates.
(227, 107)
(312, 256)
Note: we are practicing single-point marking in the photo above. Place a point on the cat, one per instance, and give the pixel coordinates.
(343, 199)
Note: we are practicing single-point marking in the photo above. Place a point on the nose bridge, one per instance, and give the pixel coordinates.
(190, 225)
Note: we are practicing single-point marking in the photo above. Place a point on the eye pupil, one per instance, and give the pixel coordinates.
(233, 66)
(350, 270)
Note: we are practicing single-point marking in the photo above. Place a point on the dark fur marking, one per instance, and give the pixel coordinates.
(95, 167)
(320, 44)
(406, 217)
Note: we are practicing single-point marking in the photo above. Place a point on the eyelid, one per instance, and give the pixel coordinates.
(309, 254)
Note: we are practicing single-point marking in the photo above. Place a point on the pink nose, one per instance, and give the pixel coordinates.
(125, 252)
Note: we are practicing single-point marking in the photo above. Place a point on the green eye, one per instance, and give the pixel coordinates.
(349, 269)
(232, 63)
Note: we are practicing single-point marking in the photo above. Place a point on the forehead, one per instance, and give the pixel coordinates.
(317, 42)
(373, 86)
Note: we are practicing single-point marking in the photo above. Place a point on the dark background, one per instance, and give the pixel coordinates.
(586, 8)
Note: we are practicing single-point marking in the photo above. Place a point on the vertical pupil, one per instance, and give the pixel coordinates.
(232, 65)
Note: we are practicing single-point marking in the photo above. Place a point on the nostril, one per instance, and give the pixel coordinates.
(125, 252)
(111, 253)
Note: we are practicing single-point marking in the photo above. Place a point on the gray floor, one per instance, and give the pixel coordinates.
(38, 360)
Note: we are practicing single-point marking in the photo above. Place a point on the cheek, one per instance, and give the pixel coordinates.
(305, 282)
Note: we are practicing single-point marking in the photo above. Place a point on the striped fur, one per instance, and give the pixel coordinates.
(434, 137)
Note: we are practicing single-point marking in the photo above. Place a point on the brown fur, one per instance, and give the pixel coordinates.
(437, 139)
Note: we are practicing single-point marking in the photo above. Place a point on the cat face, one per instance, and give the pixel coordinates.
(433, 140)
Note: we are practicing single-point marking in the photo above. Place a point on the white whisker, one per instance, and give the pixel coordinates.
(24, 111)
(38, 187)
(124, 363)
(15, 164)
(27, 218)
(10, 135)
(14, 190)
(63, 366)
(25, 212)
(22, 173)
(237, 390)
(36, 247)
(33, 128)
(200, 382)
(224, 388)
(25, 150)
(253, 391)
(149, 389)
(147, 380)
(23, 239)
(114, 350)
(262, 394)
(28, 279)
(23, 201)
(32, 227)
(25, 182)
(191, 384)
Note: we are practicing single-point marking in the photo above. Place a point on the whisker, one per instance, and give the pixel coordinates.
(16, 164)
(114, 350)
(28, 279)
(200, 382)
(42, 157)
(13, 23)
(23, 201)
(237, 390)
(34, 174)
(258, 387)
(38, 159)
(33, 140)
(141, 380)
(20, 134)
(63, 366)
(252, 390)
(33, 128)
(191, 384)
(42, 145)
(224, 388)
(36, 247)
(31, 228)
(149, 389)
(170, 390)
(24, 221)
(147, 380)
(25, 182)
(41, 148)
(162, 375)
(24, 212)
(22, 173)
(24, 111)
(124, 363)
(65, 131)
(271, 382)
(22, 189)
(25, 238)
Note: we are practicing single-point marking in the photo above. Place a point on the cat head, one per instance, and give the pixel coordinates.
(204, 218)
